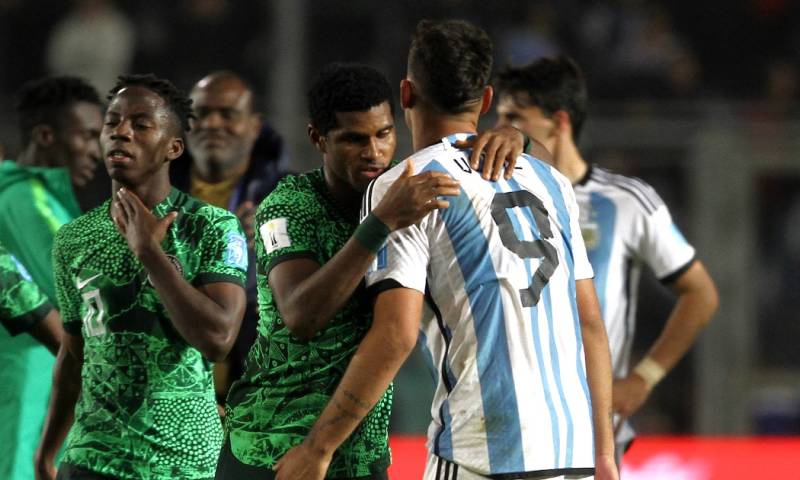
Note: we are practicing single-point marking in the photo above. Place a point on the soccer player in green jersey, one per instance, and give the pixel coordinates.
(311, 260)
(151, 289)
(24, 308)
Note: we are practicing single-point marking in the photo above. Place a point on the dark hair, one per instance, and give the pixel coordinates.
(44, 100)
(345, 87)
(551, 84)
(452, 63)
(177, 101)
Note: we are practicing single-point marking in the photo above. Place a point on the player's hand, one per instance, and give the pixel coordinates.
(44, 467)
(500, 148)
(142, 230)
(246, 213)
(302, 463)
(629, 394)
(605, 468)
(411, 197)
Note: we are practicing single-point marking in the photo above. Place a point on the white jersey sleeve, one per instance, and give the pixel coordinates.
(403, 259)
(583, 269)
(661, 245)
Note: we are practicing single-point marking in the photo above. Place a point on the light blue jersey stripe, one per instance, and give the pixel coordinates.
(427, 356)
(553, 188)
(501, 414)
(599, 256)
(537, 335)
(554, 357)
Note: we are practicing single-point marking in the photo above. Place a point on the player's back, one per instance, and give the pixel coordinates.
(503, 335)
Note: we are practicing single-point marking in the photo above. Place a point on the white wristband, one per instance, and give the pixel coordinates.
(650, 371)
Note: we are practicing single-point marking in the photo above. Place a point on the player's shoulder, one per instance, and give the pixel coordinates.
(626, 190)
(190, 206)
(83, 225)
(295, 190)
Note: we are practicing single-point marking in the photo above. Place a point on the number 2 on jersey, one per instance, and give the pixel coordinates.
(527, 249)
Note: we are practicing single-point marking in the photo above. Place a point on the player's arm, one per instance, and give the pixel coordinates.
(387, 344)
(61, 410)
(309, 295)
(48, 331)
(207, 317)
(598, 375)
(696, 304)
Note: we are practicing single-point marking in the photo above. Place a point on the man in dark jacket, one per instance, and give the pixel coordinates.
(234, 161)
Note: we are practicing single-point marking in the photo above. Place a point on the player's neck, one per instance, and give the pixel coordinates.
(568, 160)
(150, 193)
(428, 128)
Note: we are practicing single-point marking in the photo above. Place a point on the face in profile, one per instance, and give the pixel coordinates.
(531, 120)
(226, 128)
(140, 136)
(360, 147)
(76, 143)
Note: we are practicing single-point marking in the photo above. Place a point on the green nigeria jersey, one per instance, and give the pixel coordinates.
(288, 382)
(22, 304)
(147, 407)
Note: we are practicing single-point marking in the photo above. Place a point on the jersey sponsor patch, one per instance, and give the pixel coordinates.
(275, 235)
(236, 251)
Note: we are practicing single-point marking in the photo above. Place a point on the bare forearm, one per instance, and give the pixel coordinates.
(369, 374)
(201, 321)
(687, 320)
(598, 373)
(310, 306)
(61, 409)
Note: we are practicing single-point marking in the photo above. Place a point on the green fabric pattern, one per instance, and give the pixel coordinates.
(147, 407)
(287, 383)
(22, 304)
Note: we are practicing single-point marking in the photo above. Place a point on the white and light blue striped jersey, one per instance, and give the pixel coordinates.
(625, 225)
(501, 330)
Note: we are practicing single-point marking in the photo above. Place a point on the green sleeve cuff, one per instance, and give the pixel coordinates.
(213, 277)
(25, 322)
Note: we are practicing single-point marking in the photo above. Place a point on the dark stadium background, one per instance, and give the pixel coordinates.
(699, 98)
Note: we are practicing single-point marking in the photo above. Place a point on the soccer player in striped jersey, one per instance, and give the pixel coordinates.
(501, 280)
(625, 225)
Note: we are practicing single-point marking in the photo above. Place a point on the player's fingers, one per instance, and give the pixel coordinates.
(447, 191)
(167, 220)
(125, 203)
(477, 150)
(435, 205)
(511, 162)
(489, 159)
(409, 170)
(500, 161)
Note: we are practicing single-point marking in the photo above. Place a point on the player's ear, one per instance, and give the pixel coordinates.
(175, 149)
(486, 99)
(317, 139)
(563, 123)
(407, 94)
(43, 135)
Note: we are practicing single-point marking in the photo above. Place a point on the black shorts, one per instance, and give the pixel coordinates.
(230, 468)
(73, 472)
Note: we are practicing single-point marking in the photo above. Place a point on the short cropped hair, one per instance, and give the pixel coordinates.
(44, 100)
(452, 63)
(550, 84)
(178, 103)
(345, 87)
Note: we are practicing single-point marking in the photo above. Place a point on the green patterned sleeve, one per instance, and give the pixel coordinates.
(67, 294)
(223, 252)
(286, 228)
(22, 304)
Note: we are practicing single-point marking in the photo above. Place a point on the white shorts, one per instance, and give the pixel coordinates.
(437, 468)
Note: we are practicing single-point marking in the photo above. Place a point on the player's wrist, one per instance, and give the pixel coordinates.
(650, 371)
(372, 233)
